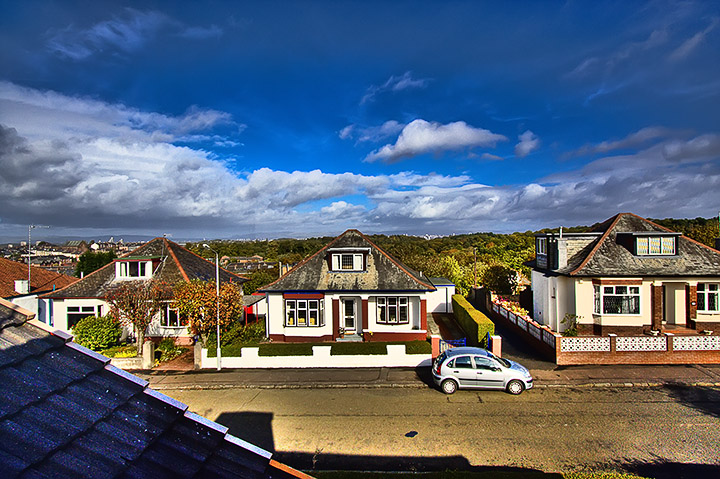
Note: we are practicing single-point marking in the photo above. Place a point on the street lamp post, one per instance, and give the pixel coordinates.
(217, 291)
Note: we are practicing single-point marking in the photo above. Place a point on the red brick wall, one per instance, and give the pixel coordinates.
(691, 304)
(405, 336)
(336, 318)
(281, 338)
(364, 323)
(656, 302)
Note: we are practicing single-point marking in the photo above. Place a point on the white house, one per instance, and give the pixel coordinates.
(158, 259)
(352, 290)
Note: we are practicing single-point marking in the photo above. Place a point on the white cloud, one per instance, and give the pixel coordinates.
(85, 165)
(420, 137)
(395, 83)
(371, 133)
(689, 45)
(127, 32)
(529, 142)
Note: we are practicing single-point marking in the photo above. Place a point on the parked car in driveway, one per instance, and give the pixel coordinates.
(477, 368)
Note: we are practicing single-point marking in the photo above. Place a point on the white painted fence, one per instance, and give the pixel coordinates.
(321, 358)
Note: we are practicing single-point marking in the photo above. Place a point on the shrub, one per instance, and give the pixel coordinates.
(345, 349)
(238, 333)
(168, 349)
(417, 347)
(97, 333)
(125, 351)
(474, 323)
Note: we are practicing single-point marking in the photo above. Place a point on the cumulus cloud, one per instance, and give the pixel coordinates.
(394, 84)
(85, 165)
(528, 143)
(420, 137)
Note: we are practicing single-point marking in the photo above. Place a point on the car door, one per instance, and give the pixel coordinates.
(462, 369)
(488, 373)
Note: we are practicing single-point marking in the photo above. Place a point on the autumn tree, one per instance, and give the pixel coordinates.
(90, 261)
(196, 301)
(136, 303)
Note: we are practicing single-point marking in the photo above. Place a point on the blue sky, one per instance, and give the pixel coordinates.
(264, 119)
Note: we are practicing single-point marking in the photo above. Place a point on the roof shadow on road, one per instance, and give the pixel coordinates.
(700, 398)
(256, 428)
(662, 469)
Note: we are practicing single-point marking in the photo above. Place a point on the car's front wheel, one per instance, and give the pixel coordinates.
(515, 387)
(449, 386)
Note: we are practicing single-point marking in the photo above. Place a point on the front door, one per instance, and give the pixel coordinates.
(349, 315)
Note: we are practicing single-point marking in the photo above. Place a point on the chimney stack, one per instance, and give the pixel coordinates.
(22, 286)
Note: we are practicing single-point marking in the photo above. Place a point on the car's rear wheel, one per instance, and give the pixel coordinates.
(515, 387)
(449, 386)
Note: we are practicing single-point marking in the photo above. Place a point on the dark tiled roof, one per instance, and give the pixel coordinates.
(608, 256)
(177, 264)
(384, 273)
(66, 412)
(42, 280)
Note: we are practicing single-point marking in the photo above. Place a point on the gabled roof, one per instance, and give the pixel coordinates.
(42, 280)
(175, 264)
(384, 273)
(66, 412)
(609, 255)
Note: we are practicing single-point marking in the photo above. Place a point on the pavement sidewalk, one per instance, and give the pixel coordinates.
(561, 376)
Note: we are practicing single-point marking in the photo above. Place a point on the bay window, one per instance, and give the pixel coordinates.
(707, 297)
(616, 299)
(393, 310)
(304, 312)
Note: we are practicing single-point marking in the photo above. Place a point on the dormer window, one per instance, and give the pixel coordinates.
(541, 246)
(133, 269)
(348, 262)
(655, 246)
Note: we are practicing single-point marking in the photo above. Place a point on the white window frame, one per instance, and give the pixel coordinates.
(81, 310)
(655, 245)
(386, 305)
(307, 307)
(542, 246)
(347, 261)
(706, 293)
(165, 317)
(124, 271)
(603, 291)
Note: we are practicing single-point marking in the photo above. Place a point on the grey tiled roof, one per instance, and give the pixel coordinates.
(383, 273)
(177, 264)
(67, 413)
(607, 256)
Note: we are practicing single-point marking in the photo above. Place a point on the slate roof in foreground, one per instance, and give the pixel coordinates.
(384, 273)
(177, 264)
(67, 413)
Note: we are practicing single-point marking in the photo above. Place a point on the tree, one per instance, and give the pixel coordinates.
(196, 300)
(136, 303)
(90, 261)
(499, 279)
(259, 279)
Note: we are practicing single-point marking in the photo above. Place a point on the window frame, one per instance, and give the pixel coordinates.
(81, 312)
(600, 293)
(541, 246)
(347, 262)
(125, 269)
(308, 306)
(704, 296)
(655, 246)
(401, 308)
(165, 317)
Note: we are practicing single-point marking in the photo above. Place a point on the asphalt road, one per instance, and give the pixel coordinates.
(655, 432)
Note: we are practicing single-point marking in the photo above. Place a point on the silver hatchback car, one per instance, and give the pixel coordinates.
(478, 368)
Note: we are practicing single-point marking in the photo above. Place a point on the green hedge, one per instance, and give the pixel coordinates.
(97, 333)
(474, 323)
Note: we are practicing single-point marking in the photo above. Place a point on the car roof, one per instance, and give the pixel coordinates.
(466, 350)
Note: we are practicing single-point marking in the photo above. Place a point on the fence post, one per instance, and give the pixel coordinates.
(148, 355)
(496, 342)
(197, 353)
(613, 342)
(435, 343)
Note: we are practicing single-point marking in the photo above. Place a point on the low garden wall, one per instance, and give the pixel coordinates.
(611, 349)
(321, 357)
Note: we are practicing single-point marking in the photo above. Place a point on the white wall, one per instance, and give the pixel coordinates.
(440, 301)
